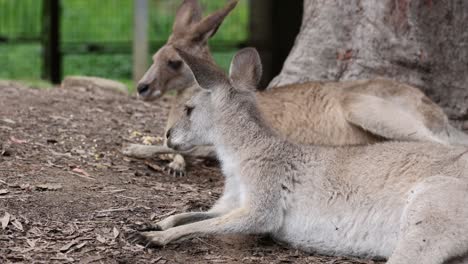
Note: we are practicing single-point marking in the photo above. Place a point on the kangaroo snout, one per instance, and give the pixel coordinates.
(148, 92)
(143, 89)
(168, 134)
(174, 142)
(169, 141)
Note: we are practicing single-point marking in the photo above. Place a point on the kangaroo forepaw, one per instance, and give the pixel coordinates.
(146, 226)
(138, 238)
(147, 239)
(175, 169)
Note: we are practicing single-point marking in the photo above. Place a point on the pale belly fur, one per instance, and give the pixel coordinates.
(343, 228)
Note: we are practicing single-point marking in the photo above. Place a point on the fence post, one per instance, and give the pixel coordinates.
(140, 38)
(52, 58)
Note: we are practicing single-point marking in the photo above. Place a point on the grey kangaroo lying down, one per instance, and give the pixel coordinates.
(325, 113)
(405, 201)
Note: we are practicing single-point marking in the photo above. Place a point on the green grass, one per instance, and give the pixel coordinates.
(106, 21)
(106, 65)
(22, 61)
(96, 21)
(111, 20)
(234, 27)
(20, 18)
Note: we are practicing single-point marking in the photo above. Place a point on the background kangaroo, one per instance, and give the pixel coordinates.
(401, 201)
(325, 113)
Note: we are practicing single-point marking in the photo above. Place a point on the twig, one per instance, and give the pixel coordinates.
(82, 176)
(157, 259)
(115, 210)
(91, 222)
(167, 214)
(126, 197)
(17, 196)
(206, 243)
(114, 191)
(123, 209)
(55, 153)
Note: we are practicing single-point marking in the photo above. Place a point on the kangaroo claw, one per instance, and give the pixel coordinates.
(147, 226)
(174, 170)
(147, 239)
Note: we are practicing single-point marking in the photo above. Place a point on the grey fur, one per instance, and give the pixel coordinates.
(401, 201)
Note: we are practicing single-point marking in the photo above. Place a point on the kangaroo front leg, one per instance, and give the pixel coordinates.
(219, 209)
(241, 220)
(228, 202)
(144, 151)
(176, 167)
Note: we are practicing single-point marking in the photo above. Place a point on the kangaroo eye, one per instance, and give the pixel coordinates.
(174, 64)
(188, 110)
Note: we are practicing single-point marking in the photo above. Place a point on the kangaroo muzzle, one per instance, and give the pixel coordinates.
(168, 140)
(143, 89)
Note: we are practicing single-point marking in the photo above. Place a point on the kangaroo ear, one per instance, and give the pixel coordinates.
(207, 74)
(210, 24)
(246, 69)
(188, 13)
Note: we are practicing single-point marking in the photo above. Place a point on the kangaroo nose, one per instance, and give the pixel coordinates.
(168, 133)
(142, 88)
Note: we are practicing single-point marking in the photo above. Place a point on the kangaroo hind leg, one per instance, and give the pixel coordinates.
(387, 119)
(434, 224)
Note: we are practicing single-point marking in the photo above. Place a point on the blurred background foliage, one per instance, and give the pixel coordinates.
(96, 36)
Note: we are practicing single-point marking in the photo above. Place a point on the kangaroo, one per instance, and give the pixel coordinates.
(402, 201)
(326, 113)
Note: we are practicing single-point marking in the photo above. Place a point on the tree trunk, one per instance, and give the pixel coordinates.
(420, 42)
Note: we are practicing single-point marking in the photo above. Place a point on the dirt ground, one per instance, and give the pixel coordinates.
(67, 194)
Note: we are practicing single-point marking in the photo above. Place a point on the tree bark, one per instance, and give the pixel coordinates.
(420, 42)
